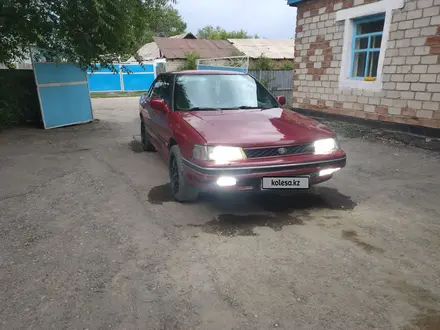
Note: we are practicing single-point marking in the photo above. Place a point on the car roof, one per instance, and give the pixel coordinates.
(205, 72)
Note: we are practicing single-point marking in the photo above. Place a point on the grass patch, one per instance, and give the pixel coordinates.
(97, 95)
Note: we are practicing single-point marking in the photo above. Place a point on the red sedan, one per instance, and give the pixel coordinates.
(223, 131)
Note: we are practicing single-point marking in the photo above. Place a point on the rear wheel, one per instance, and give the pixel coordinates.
(180, 189)
(146, 144)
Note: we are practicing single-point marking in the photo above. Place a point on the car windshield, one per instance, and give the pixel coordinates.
(220, 92)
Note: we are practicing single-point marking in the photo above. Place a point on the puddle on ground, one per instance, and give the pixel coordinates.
(136, 146)
(160, 194)
(351, 235)
(243, 225)
(282, 211)
(324, 198)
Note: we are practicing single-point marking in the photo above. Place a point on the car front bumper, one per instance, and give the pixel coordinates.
(249, 178)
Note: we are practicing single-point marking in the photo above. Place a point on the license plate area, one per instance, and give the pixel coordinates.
(285, 183)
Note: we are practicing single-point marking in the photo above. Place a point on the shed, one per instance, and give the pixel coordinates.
(280, 51)
(174, 50)
(275, 49)
(150, 51)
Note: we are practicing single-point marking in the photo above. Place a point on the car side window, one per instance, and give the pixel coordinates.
(155, 90)
(162, 89)
(263, 97)
(165, 89)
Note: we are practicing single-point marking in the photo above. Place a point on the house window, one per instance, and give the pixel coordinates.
(367, 40)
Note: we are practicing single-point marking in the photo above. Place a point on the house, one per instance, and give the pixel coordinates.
(370, 59)
(280, 51)
(150, 51)
(174, 50)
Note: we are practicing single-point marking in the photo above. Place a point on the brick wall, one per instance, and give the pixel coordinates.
(411, 71)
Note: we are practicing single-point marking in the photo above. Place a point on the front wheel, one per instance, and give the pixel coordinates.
(180, 189)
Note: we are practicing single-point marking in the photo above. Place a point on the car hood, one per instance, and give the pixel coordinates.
(258, 127)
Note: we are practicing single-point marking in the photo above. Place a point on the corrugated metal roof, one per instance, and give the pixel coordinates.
(186, 35)
(176, 48)
(150, 51)
(272, 48)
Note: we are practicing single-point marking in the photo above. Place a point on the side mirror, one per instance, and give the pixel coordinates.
(281, 99)
(159, 104)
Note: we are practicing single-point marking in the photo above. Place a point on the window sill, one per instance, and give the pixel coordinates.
(360, 84)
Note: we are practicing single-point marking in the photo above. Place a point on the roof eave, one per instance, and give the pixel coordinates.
(294, 3)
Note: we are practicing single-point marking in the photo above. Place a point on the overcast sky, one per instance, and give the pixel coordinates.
(267, 18)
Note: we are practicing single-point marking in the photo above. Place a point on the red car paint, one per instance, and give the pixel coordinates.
(250, 128)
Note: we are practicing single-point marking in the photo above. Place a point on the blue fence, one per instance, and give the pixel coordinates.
(128, 77)
(232, 63)
(221, 68)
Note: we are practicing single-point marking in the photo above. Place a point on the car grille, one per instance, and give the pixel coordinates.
(278, 151)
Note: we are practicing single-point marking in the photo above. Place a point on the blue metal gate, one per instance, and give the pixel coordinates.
(128, 77)
(64, 94)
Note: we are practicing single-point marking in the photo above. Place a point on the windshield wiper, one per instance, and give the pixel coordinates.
(240, 107)
(200, 108)
(248, 107)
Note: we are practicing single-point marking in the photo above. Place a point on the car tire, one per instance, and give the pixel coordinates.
(180, 189)
(146, 144)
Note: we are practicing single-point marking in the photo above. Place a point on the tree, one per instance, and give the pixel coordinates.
(167, 23)
(219, 33)
(83, 31)
(170, 23)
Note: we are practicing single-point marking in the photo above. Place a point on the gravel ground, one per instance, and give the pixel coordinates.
(91, 239)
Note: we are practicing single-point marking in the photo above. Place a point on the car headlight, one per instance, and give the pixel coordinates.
(218, 154)
(325, 146)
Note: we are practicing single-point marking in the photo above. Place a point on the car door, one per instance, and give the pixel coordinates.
(150, 115)
(161, 118)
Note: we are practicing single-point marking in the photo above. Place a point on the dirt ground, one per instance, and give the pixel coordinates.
(91, 239)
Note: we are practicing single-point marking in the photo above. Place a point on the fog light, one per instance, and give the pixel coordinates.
(226, 181)
(328, 171)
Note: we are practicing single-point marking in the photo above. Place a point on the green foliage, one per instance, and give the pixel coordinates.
(287, 66)
(219, 33)
(84, 31)
(167, 22)
(18, 98)
(262, 63)
(190, 61)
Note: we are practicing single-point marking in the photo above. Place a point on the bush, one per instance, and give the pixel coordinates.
(190, 61)
(18, 98)
(287, 66)
(262, 63)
